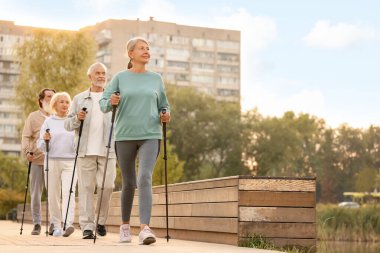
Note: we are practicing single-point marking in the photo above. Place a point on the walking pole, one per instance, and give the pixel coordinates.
(105, 165)
(26, 193)
(75, 163)
(166, 178)
(47, 184)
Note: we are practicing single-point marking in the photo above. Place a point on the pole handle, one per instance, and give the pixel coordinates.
(47, 141)
(81, 122)
(114, 107)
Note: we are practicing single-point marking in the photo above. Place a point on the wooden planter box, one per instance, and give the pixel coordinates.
(229, 210)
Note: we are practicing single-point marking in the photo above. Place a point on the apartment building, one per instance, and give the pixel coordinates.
(205, 58)
(10, 116)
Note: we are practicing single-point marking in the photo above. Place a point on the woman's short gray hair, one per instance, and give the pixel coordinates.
(55, 98)
(91, 68)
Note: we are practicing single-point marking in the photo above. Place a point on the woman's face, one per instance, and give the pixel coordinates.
(140, 54)
(62, 105)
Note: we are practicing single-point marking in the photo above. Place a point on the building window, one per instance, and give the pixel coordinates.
(228, 57)
(228, 44)
(203, 55)
(7, 129)
(202, 79)
(178, 54)
(228, 80)
(178, 65)
(228, 93)
(204, 67)
(228, 69)
(158, 63)
(203, 43)
(180, 40)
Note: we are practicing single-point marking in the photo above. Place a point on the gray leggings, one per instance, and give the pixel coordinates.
(126, 152)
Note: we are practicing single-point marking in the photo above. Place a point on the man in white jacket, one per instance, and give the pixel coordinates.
(92, 151)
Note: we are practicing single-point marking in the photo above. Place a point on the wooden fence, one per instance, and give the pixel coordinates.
(228, 210)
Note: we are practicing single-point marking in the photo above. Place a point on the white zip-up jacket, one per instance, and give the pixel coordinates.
(72, 123)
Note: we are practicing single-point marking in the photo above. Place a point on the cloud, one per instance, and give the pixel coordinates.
(273, 102)
(161, 10)
(340, 35)
(257, 31)
(96, 5)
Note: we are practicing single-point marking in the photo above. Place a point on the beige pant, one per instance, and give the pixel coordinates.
(90, 173)
(60, 176)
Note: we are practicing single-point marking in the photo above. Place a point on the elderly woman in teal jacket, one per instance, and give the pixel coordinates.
(140, 102)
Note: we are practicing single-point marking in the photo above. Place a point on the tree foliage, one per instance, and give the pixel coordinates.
(342, 159)
(13, 172)
(206, 134)
(54, 59)
(283, 146)
(174, 166)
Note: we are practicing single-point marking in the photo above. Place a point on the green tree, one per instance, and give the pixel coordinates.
(206, 134)
(329, 171)
(55, 59)
(13, 172)
(352, 154)
(174, 166)
(366, 180)
(283, 146)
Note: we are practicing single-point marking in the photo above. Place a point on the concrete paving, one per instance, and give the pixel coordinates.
(12, 242)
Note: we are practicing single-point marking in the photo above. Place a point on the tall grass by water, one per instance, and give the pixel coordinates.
(348, 224)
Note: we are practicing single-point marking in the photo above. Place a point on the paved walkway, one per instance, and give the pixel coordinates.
(11, 242)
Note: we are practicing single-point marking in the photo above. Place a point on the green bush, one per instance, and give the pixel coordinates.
(8, 200)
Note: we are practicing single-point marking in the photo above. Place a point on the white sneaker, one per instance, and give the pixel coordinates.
(146, 236)
(57, 232)
(125, 233)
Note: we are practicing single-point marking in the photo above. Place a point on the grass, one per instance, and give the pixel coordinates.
(345, 224)
(259, 242)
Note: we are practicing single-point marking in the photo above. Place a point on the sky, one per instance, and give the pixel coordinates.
(318, 56)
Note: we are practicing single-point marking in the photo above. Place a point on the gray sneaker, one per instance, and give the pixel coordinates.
(36, 229)
(68, 231)
(51, 229)
(146, 236)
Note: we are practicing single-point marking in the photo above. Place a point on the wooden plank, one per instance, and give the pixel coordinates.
(224, 225)
(277, 214)
(226, 209)
(189, 186)
(226, 194)
(277, 185)
(199, 184)
(284, 199)
(283, 230)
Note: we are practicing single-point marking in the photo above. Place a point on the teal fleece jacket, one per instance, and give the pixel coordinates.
(142, 97)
